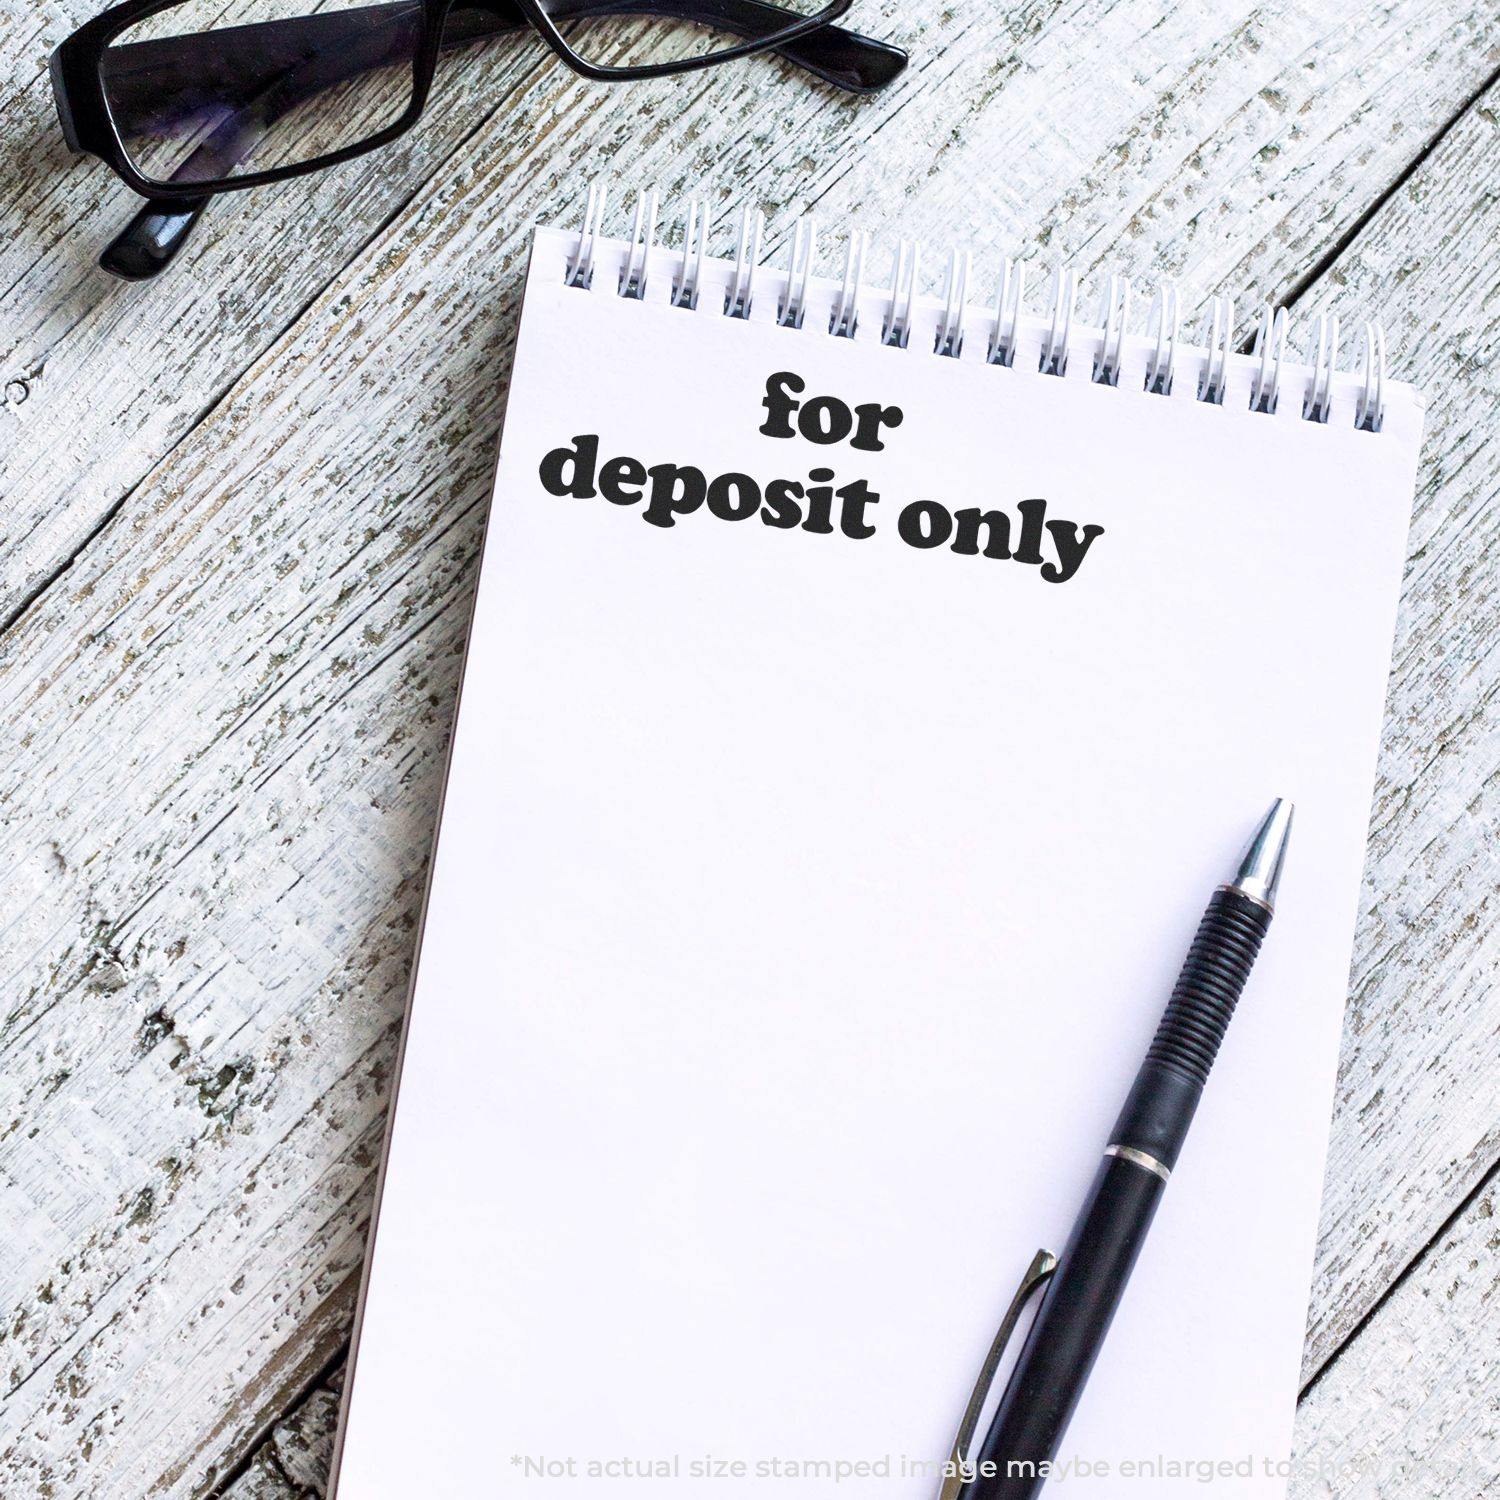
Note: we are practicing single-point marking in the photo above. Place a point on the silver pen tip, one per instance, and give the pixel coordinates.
(1260, 870)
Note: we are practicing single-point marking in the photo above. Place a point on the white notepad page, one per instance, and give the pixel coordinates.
(804, 904)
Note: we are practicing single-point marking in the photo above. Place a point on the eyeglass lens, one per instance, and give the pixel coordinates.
(215, 89)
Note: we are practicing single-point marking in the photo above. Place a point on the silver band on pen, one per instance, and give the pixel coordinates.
(1140, 1159)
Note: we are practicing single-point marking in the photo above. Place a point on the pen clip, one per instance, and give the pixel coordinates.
(1043, 1264)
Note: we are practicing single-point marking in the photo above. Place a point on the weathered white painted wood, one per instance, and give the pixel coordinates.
(231, 713)
(1139, 130)
(1418, 1115)
(1410, 1408)
(294, 1459)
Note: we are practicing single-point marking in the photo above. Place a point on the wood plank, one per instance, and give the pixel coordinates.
(1416, 1125)
(1409, 1409)
(231, 715)
(294, 1459)
(1154, 132)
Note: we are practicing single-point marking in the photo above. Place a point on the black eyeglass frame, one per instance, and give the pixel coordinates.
(77, 72)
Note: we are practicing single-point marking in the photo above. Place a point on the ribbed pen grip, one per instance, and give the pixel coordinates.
(1161, 1105)
(1208, 988)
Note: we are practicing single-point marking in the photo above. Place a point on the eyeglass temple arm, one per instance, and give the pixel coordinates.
(859, 64)
(160, 228)
(151, 239)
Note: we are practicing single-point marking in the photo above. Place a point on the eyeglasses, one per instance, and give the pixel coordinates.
(188, 98)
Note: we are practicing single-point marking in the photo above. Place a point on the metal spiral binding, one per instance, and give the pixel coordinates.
(689, 277)
(581, 266)
(1325, 355)
(1008, 300)
(793, 307)
(741, 292)
(950, 332)
(1213, 357)
(1114, 318)
(1054, 360)
(897, 327)
(1218, 339)
(1166, 319)
(1369, 411)
(843, 321)
(642, 238)
(1270, 345)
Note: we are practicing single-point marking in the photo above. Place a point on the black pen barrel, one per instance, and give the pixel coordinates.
(1064, 1340)
(1080, 1302)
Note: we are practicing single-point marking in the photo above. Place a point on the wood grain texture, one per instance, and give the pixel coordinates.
(256, 491)
(1408, 1409)
(1417, 1122)
(293, 1462)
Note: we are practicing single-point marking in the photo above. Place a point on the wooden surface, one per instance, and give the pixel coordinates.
(240, 510)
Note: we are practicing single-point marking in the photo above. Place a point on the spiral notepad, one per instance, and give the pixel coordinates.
(864, 688)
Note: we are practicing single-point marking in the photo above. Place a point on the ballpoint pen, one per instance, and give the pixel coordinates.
(1083, 1286)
